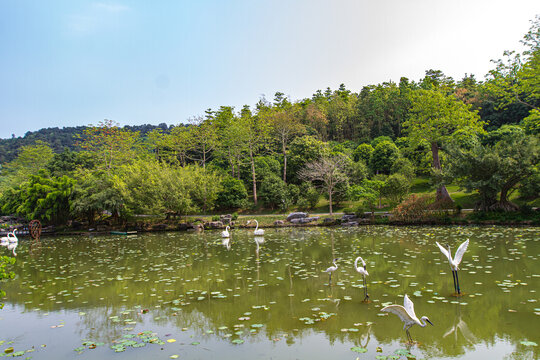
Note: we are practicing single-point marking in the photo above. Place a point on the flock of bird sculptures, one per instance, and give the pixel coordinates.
(405, 313)
(10, 241)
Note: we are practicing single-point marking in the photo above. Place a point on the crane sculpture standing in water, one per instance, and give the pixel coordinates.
(454, 263)
(331, 269)
(407, 315)
(362, 270)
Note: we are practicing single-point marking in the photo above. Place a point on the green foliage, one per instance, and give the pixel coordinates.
(368, 193)
(383, 157)
(233, 194)
(29, 161)
(204, 186)
(95, 194)
(530, 187)
(309, 197)
(148, 187)
(515, 78)
(504, 132)
(463, 138)
(67, 162)
(363, 152)
(357, 171)
(41, 197)
(265, 166)
(495, 169)
(379, 140)
(274, 193)
(4, 273)
(109, 145)
(531, 123)
(380, 110)
(396, 187)
(302, 151)
(404, 167)
(435, 116)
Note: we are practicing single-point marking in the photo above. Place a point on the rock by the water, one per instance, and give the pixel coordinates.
(348, 217)
(296, 215)
(279, 222)
(215, 225)
(308, 219)
(226, 219)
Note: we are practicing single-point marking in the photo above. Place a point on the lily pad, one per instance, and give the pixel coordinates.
(359, 349)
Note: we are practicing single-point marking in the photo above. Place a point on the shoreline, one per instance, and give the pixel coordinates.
(134, 232)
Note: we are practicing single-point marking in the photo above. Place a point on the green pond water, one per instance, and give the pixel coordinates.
(193, 296)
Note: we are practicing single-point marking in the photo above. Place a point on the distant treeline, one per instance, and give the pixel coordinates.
(60, 138)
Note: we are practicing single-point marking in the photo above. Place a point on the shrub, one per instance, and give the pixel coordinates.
(308, 198)
(383, 157)
(396, 187)
(413, 208)
(233, 194)
(274, 192)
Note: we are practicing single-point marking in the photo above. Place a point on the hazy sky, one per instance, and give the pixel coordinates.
(70, 63)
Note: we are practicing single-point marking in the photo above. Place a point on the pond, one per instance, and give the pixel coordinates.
(195, 296)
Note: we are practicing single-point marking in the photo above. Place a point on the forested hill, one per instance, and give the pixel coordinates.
(58, 138)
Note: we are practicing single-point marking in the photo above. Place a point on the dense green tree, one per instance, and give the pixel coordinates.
(383, 157)
(493, 137)
(256, 132)
(495, 169)
(433, 117)
(41, 197)
(396, 187)
(379, 139)
(68, 161)
(357, 171)
(233, 194)
(363, 152)
(94, 195)
(274, 193)
(148, 187)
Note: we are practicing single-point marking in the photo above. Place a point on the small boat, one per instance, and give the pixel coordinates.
(123, 232)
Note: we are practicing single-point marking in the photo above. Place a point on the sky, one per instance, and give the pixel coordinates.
(77, 62)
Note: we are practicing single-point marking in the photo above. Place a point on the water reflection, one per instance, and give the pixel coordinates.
(99, 287)
(461, 326)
